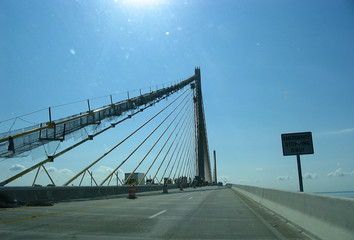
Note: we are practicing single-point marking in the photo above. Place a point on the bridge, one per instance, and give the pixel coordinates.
(167, 164)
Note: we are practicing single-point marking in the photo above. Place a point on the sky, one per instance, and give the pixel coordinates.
(267, 68)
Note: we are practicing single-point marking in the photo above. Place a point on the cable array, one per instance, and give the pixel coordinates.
(164, 147)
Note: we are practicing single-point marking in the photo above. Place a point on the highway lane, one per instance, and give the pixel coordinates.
(202, 213)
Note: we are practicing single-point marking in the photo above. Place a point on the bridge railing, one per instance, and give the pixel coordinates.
(16, 196)
(325, 217)
(14, 143)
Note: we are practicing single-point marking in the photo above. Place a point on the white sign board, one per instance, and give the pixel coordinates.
(297, 143)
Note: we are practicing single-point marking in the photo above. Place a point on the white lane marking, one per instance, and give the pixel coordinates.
(155, 215)
(190, 198)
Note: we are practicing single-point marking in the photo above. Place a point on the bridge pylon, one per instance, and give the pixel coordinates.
(203, 159)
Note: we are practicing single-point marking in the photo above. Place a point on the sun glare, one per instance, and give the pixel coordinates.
(140, 3)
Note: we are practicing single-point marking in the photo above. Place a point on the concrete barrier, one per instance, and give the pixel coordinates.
(24, 195)
(325, 217)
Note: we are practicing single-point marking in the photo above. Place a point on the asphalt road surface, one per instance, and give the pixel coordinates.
(202, 213)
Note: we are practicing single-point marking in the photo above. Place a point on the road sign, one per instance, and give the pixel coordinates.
(297, 143)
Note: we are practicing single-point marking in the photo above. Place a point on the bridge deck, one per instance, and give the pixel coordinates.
(203, 213)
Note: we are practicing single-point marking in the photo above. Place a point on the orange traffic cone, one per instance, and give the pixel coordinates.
(165, 188)
(132, 191)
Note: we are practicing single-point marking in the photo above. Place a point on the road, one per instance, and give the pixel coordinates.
(202, 213)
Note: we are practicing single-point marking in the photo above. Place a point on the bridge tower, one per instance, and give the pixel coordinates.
(203, 159)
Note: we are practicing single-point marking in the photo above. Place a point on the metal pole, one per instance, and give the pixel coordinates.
(35, 178)
(88, 104)
(117, 177)
(83, 175)
(48, 175)
(300, 174)
(215, 177)
(50, 115)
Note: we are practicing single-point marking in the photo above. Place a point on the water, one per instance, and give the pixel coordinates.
(347, 194)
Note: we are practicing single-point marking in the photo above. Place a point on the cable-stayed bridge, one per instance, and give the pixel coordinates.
(168, 150)
(181, 148)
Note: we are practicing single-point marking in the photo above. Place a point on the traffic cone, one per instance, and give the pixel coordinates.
(132, 191)
(165, 188)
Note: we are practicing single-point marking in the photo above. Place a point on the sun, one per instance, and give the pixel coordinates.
(140, 3)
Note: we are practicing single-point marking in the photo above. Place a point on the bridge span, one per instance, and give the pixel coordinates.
(173, 155)
(202, 213)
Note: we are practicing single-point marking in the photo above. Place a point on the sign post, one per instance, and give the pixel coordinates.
(297, 144)
(299, 172)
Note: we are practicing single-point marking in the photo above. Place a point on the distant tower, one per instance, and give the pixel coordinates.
(215, 178)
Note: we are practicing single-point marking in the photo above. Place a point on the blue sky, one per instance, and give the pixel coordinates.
(268, 67)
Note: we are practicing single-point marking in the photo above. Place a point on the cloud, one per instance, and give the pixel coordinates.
(283, 178)
(223, 179)
(101, 173)
(342, 131)
(66, 172)
(17, 167)
(51, 169)
(339, 173)
(310, 175)
(259, 169)
(120, 171)
(104, 170)
(62, 172)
